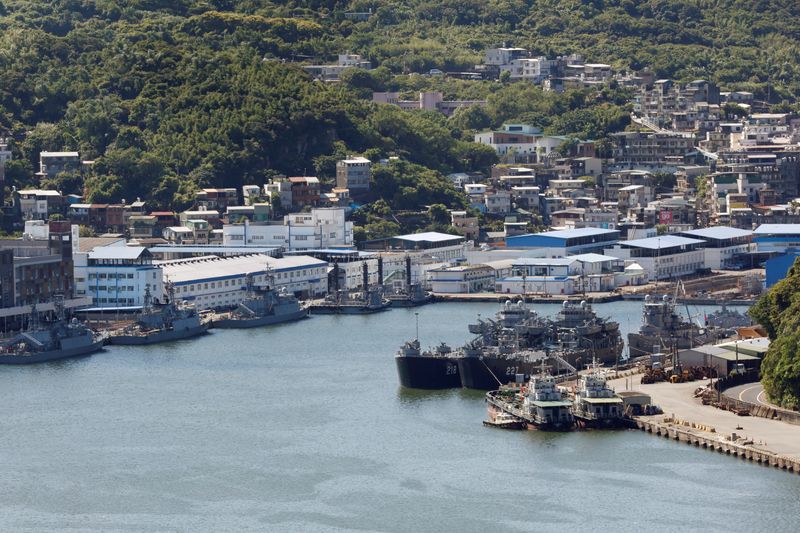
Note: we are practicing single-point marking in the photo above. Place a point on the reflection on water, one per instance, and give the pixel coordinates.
(303, 428)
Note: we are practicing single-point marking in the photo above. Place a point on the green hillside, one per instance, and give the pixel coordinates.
(168, 96)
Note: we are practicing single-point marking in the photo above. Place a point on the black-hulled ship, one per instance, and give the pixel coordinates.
(430, 369)
(663, 329)
(518, 341)
(162, 322)
(50, 341)
(262, 306)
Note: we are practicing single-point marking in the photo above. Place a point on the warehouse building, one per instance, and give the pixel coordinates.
(214, 282)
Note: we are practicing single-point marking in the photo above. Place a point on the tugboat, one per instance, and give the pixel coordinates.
(661, 324)
(546, 406)
(262, 307)
(52, 341)
(503, 420)
(540, 405)
(431, 369)
(596, 404)
(162, 322)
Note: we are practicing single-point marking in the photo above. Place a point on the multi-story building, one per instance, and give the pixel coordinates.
(37, 204)
(216, 199)
(321, 228)
(192, 232)
(353, 173)
(143, 227)
(331, 73)
(280, 189)
(466, 225)
(305, 191)
(117, 276)
(724, 247)
(668, 256)
(40, 268)
(654, 149)
(53, 163)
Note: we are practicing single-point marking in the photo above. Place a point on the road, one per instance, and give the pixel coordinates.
(751, 393)
(678, 399)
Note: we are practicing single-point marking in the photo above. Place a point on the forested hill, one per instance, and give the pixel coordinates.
(170, 95)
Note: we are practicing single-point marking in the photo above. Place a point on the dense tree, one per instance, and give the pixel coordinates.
(171, 96)
(778, 310)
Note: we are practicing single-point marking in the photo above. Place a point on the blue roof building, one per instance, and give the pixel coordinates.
(560, 243)
(780, 238)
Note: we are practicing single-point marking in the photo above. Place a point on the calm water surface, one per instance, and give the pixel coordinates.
(303, 427)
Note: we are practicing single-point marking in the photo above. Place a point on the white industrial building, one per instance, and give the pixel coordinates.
(668, 256)
(724, 247)
(463, 279)
(213, 282)
(117, 276)
(321, 228)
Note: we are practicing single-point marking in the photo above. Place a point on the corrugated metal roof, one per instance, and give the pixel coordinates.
(718, 232)
(202, 268)
(430, 236)
(593, 258)
(572, 233)
(117, 252)
(658, 243)
(549, 261)
(777, 229)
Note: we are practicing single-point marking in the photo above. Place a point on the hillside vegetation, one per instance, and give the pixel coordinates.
(168, 96)
(779, 312)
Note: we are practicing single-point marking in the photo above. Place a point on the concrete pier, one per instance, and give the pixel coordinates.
(742, 448)
(686, 419)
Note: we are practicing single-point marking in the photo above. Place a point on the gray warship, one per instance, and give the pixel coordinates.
(664, 329)
(50, 341)
(161, 322)
(262, 306)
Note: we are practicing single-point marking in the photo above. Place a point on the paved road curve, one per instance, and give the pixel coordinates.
(751, 393)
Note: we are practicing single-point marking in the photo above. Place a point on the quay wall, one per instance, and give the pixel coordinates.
(692, 434)
(763, 411)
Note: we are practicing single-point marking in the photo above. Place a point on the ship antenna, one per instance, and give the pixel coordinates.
(416, 317)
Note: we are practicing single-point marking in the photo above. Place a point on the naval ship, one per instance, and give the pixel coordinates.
(161, 322)
(50, 341)
(514, 344)
(664, 329)
(262, 307)
(430, 369)
(518, 341)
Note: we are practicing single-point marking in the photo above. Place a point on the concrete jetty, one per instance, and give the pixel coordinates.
(686, 419)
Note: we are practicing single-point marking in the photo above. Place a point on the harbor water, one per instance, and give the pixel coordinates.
(303, 427)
